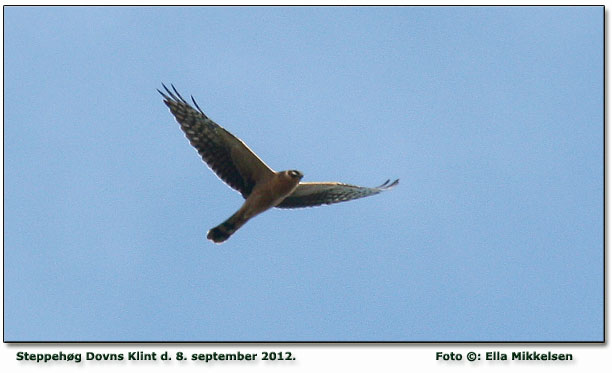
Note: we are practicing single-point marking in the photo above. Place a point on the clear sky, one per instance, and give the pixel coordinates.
(491, 117)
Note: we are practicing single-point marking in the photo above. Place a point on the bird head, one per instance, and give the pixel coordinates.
(295, 174)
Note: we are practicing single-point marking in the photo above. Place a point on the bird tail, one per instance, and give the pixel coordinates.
(223, 231)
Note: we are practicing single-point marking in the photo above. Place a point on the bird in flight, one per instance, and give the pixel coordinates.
(240, 168)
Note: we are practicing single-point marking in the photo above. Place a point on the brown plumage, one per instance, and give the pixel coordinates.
(240, 168)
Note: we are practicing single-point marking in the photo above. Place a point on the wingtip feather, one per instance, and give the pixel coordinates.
(386, 185)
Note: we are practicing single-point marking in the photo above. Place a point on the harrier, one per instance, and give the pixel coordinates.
(240, 168)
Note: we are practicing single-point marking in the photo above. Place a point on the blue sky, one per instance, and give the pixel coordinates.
(491, 117)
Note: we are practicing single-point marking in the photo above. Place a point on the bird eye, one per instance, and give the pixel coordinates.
(294, 173)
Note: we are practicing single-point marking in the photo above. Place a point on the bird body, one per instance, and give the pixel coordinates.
(265, 195)
(239, 167)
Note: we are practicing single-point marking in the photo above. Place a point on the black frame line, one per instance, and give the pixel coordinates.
(340, 342)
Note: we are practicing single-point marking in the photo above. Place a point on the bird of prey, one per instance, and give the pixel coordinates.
(240, 168)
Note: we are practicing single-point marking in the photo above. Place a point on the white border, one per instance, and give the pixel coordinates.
(320, 357)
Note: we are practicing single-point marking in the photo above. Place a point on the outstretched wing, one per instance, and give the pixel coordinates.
(224, 153)
(315, 194)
